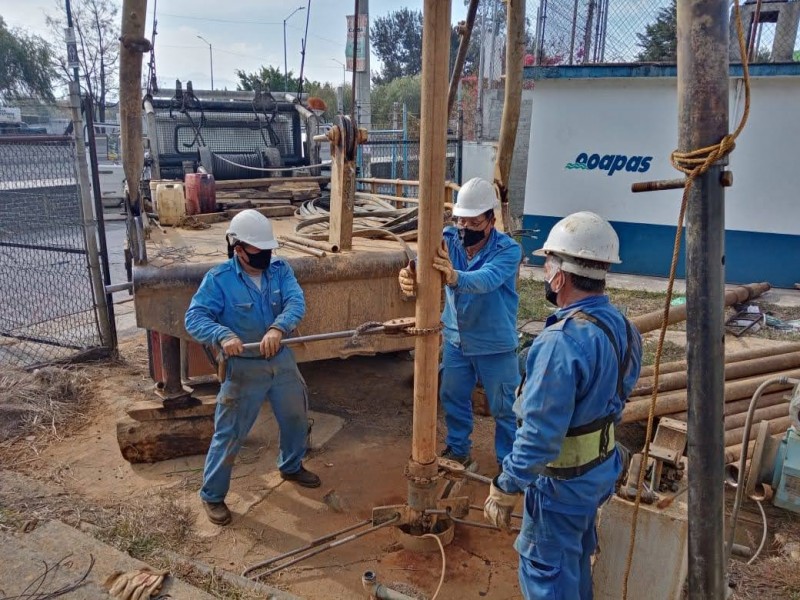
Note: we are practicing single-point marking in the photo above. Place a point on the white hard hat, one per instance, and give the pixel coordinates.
(474, 198)
(583, 235)
(251, 227)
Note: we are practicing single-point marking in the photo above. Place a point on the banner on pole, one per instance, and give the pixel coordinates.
(363, 24)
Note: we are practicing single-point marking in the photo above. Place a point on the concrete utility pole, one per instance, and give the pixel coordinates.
(362, 91)
(423, 466)
(211, 57)
(703, 92)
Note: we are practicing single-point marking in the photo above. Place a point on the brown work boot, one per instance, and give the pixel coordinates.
(218, 512)
(303, 477)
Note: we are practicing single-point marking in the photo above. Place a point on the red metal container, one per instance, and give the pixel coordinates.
(201, 196)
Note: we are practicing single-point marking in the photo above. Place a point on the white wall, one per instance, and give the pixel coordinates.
(638, 117)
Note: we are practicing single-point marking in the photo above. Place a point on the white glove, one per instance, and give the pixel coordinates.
(498, 506)
(408, 283)
(442, 263)
(141, 584)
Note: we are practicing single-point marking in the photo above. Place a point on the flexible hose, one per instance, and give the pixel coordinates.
(737, 503)
(763, 533)
(444, 564)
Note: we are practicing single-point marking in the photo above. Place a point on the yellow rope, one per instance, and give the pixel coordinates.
(693, 164)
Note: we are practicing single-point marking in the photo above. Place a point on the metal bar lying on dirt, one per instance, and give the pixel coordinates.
(318, 550)
(304, 248)
(320, 245)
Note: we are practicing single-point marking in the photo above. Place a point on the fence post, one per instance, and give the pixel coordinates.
(89, 232)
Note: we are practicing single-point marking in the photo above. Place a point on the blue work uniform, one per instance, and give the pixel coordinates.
(480, 339)
(228, 303)
(573, 379)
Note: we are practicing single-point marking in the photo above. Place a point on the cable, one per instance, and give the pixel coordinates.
(271, 170)
(763, 533)
(693, 164)
(444, 564)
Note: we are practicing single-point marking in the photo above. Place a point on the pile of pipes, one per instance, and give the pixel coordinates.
(744, 372)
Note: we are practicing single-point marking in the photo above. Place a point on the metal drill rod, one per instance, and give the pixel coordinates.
(446, 513)
(308, 546)
(703, 96)
(317, 337)
(322, 549)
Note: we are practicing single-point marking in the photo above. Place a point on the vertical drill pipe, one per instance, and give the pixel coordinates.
(433, 142)
(171, 364)
(703, 90)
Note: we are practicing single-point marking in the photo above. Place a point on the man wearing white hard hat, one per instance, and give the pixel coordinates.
(479, 265)
(579, 373)
(252, 297)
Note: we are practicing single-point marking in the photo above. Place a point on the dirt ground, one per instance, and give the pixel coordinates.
(363, 464)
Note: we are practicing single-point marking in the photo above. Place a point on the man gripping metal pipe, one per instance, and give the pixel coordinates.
(251, 298)
(579, 372)
(479, 265)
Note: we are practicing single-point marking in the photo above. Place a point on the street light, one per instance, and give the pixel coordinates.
(344, 81)
(210, 60)
(285, 68)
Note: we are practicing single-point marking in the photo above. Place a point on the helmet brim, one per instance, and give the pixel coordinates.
(265, 245)
(540, 252)
(470, 212)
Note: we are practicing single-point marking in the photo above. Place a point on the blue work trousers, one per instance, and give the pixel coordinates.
(248, 384)
(555, 552)
(499, 375)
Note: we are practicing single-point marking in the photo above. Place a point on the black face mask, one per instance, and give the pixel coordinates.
(470, 237)
(259, 260)
(550, 294)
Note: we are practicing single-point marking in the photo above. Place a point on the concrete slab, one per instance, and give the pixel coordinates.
(325, 427)
(54, 540)
(660, 563)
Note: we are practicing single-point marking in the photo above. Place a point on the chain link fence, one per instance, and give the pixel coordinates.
(47, 308)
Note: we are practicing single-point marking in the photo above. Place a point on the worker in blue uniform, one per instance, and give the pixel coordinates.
(479, 265)
(579, 373)
(252, 297)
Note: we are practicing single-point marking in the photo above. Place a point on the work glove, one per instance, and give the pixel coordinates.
(232, 346)
(141, 584)
(271, 342)
(498, 506)
(442, 263)
(408, 282)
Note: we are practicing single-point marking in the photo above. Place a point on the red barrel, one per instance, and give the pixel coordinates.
(201, 196)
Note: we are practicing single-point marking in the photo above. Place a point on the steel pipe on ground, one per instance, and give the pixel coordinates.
(737, 370)
(734, 451)
(677, 401)
(763, 413)
(736, 295)
(682, 365)
(740, 406)
(776, 426)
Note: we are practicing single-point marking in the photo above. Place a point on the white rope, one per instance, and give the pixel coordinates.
(444, 564)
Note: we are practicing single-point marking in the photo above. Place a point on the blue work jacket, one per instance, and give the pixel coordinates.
(228, 303)
(480, 311)
(572, 372)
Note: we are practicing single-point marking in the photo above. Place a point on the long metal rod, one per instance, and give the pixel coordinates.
(703, 91)
(326, 547)
(315, 542)
(318, 337)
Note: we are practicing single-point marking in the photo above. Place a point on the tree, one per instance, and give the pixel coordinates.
(403, 90)
(397, 40)
(659, 42)
(25, 65)
(97, 31)
(270, 78)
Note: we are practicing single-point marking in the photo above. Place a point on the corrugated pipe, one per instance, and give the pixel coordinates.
(377, 590)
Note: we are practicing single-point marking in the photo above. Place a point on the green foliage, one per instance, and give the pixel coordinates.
(406, 90)
(25, 65)
(397, 40)
(659, 42)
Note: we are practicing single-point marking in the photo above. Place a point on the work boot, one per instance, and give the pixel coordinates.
(303, 477)
(449, 455)
(218, 512)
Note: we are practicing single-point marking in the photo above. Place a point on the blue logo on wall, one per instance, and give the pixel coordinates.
(611, 163)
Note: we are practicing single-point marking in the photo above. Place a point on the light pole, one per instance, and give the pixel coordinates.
(285, 67)
(210, 60)
(344, 81)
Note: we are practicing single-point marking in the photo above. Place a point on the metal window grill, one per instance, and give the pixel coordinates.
(48, 311)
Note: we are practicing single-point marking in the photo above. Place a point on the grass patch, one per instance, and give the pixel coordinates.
(670, 352)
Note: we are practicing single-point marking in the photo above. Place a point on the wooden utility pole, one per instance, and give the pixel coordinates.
(461, 56)
(515, 50)
(344, 138)
(433, 144)
(132, 45)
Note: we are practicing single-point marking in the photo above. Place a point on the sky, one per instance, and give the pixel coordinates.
(244, 34)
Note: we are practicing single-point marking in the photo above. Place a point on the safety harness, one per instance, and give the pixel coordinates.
(586, 446)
